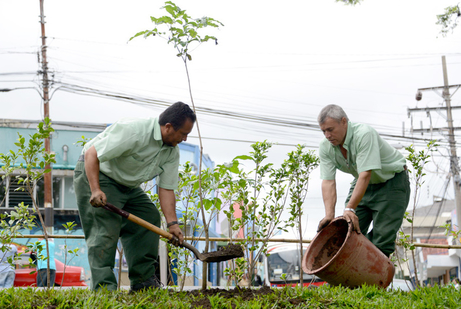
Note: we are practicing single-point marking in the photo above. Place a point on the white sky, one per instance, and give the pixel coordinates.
(281, 61)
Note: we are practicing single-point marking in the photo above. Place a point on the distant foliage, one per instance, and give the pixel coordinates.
(350, 2)
(449, 19)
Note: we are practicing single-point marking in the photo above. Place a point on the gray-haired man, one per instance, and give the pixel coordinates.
(380, 191)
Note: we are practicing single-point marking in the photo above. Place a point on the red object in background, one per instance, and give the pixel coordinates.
(73, 276)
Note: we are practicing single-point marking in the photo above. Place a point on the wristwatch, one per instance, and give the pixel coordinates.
(172, 223)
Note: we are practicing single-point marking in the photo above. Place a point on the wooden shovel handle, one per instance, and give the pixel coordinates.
(138, 221)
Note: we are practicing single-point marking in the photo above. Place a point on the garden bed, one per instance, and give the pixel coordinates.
(265, 297)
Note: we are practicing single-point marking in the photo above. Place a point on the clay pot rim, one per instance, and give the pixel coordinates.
(349, 231)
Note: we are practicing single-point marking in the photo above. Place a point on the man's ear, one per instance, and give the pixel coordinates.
(168, 127)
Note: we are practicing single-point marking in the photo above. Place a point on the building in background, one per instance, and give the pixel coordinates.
(430, 224)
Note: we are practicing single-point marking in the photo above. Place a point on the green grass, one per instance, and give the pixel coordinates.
(322, 297)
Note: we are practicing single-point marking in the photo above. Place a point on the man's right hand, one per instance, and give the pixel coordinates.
(98, 198)
(323, 223)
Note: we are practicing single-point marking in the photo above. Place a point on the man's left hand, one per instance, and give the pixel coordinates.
(352, 217)
(176, 231)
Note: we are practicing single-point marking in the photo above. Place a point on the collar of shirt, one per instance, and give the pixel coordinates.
(157, 131)
(349, 135)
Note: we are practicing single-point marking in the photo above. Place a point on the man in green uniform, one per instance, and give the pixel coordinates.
(111, 169)
(380, 191)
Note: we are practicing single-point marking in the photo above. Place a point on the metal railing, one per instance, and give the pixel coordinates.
(287, 240)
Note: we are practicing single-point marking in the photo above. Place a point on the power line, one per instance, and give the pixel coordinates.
(285, 122)
(251, 142)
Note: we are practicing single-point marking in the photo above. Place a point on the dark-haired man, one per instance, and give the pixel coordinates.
(111, 169)
(380, 191)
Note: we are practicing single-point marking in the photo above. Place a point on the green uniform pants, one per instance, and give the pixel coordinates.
(103, 228)
(384, 204)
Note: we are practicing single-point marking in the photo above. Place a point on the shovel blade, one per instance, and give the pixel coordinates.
(228, 252)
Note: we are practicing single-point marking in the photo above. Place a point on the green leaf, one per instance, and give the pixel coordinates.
(170, 9)
(164, 20)
(218, 203)
(243, 157)
(135, 36)
(207, 204)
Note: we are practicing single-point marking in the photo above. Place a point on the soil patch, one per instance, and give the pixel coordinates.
(225, 253)
(328, 251)
(246, 294)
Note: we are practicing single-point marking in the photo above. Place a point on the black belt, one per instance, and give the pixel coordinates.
(81, 158)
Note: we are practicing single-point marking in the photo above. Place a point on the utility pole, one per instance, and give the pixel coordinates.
(454, 164)
(48, 194)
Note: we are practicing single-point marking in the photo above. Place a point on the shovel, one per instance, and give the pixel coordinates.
(232, 251)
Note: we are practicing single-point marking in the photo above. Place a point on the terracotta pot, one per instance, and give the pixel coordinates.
(340, 256)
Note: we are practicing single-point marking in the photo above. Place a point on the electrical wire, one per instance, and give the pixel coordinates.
(285, 122)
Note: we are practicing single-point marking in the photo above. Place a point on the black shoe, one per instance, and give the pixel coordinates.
(152, 282)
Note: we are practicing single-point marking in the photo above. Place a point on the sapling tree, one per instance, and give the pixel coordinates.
(19, 218)
(34, 158)
(234, 196)
(214, 181)
(299, 165)
(403, 241)
(228, 194)
(69, 228)
(261, 216)
(187, 197)
(418, 161)
(183, 32)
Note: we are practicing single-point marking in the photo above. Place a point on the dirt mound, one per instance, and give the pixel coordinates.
(245, 294)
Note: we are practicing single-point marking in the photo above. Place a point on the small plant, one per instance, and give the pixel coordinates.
(216, 301)
(10, 226)
(418, 160)
(36, 248)
(83, 141)
(180, 259)
(69, 227)
(236, 273)
(299, 165)
(188, 196)
(259, 219)
(35, 160)
(32, 158)
(456, 235)
(283, 277)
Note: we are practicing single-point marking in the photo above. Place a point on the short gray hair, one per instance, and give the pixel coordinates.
(332, 111)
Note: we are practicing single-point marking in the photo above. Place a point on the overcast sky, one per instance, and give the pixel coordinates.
(282, 61)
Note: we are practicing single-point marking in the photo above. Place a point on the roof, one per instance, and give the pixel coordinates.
(68, 134)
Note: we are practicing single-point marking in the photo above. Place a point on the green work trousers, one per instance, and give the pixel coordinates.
(103, 228)
(384, 204)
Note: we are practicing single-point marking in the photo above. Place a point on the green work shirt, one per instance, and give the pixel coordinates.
(366, 150)
(131, 152)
